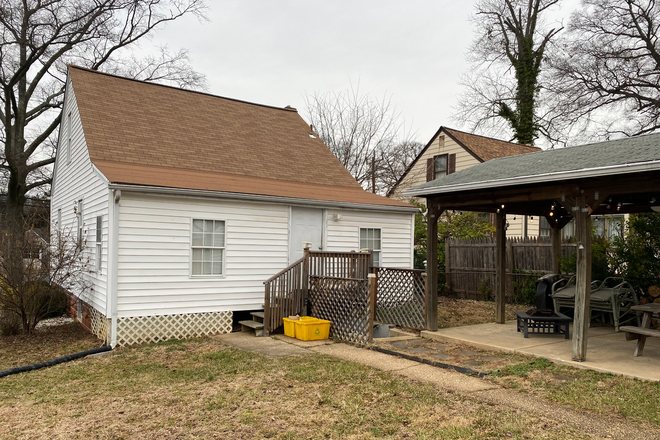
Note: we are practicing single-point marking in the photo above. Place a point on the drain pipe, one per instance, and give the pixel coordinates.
(55, 361)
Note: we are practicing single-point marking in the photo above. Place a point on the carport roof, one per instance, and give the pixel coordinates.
(621, 156)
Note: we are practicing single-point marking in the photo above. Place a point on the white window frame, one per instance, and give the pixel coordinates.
(374, 252)
(440, 173)
(223, 248)
(81, 223)
(99, 242)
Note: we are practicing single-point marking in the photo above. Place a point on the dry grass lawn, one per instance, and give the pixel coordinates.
(459, 312)
(202, 389)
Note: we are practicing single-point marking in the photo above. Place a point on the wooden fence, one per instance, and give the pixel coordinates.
(470, 265)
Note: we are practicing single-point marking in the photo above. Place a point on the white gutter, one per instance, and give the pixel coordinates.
(256, 198)
(538, 178)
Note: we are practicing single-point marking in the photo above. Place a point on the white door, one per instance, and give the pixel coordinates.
(306, 227)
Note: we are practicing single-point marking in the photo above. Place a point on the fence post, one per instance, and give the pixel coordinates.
(267, 328)
(373, 289)
(510, 267)
(500, 265)
(305, 281)
(448, 262)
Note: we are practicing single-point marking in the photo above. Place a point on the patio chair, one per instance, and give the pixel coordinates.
(613, 295)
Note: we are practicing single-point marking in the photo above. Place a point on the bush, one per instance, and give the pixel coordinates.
(636, 255)
(524, 286)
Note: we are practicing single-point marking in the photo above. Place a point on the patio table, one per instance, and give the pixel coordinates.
(543, 324)
(641, 333)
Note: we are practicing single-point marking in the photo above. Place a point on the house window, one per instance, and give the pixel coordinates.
(208, 247)
(79, 214)
(79, 310)
(440, 166)
(370, 239)
(615, 226)
(99, 243)
(544, 227)
(569, 230)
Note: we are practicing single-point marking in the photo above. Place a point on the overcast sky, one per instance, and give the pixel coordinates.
(273, 52)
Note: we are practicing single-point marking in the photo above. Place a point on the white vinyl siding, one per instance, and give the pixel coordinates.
(154, 254)
(75, 181)
(396, 229)
(417, 174)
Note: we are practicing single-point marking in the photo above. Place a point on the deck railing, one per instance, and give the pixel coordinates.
(286, 292)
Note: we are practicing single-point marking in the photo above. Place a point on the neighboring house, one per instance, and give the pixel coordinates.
(188, 202)
(451, 150)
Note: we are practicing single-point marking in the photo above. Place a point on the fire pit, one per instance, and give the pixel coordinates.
(542, 321)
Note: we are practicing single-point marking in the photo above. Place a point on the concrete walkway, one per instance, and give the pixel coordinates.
(470, 388)
(607, 351)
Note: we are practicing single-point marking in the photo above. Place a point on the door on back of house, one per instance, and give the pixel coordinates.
(306, 227)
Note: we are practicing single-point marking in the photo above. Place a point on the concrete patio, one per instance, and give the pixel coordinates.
(608, 352)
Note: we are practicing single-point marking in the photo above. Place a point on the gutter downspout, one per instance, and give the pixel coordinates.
(113, 245)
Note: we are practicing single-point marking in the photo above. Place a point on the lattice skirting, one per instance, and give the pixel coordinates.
(100, 324)
(150, 329)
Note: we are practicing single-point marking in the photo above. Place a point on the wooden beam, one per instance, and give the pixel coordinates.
(432, 216)
(555, 237)
(500, 266)
(583, 279)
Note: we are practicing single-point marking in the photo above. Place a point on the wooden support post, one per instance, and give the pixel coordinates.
(373, 291)
(583, 279)
(500, 266)
(433, 215)
(555, 237)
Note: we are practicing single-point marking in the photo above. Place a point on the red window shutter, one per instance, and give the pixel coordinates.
(430, 169)
(451, 164)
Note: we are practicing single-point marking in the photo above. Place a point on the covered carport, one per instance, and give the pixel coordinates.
(614, 177)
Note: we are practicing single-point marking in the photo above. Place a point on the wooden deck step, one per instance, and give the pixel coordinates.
(257, 316)
(248, 326)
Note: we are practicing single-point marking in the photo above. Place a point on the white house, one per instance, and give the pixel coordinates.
(187, 202)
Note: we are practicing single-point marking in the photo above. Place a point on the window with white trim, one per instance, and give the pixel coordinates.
(208, 247)
(544, 227)
(370, 239)
(440, 165)
(79, 215)
(99, 242)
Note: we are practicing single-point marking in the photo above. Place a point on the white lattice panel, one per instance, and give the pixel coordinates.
(100, 324)
(150, 329)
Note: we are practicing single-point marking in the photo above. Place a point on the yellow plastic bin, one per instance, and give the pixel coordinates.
(312, 329)
(290, 325)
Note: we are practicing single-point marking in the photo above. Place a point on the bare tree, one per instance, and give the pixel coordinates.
(507, 59)
(38, 38)
(608, 77)
(35, 274)
(365, 134)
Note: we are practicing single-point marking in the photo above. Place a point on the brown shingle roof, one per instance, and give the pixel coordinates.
(488, 148)
(149, 134)
(481, 147)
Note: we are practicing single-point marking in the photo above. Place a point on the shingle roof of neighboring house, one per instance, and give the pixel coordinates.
(485, 148)
(148, 134)
(633, 154)
(481, 148)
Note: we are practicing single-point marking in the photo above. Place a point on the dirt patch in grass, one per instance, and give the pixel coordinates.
(459, 312)
(604, 394)
(201, 389)
(47, 342)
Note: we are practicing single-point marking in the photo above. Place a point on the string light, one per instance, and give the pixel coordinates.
(531, 219)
